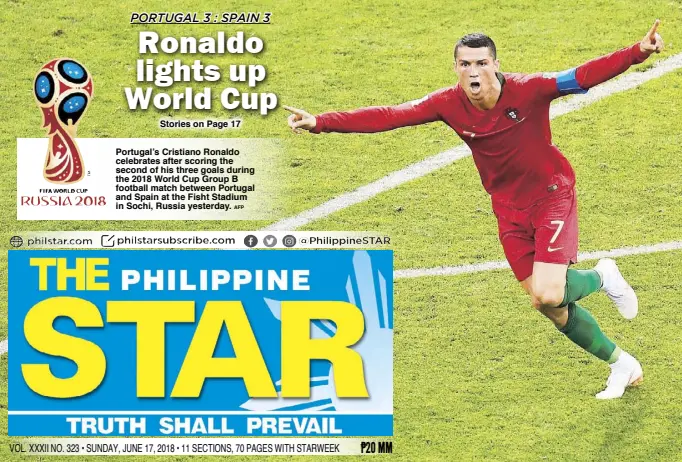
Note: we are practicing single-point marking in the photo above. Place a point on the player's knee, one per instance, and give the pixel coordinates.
(548, 297)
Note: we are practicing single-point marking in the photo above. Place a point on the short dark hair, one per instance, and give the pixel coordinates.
(477, 40)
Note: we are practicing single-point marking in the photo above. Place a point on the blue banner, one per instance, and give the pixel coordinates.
(169, 343)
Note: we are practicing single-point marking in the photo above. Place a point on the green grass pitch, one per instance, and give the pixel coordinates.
(478, 373)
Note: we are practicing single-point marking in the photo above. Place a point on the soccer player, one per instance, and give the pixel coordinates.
(504, 119)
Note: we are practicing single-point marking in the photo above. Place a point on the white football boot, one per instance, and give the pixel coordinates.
(625, 372)
(618, 290)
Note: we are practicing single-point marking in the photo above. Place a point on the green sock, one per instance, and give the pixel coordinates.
(579, 284)
(584, 331)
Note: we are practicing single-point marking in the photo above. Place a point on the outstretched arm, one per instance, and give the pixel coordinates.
(366, 120)
(599, 70)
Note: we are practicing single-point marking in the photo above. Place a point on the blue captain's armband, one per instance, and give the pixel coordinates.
(567, 84)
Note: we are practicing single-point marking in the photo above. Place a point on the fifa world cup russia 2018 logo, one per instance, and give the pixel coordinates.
(63, 89)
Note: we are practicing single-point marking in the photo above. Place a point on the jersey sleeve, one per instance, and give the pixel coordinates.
(381, 118)
(580, 79)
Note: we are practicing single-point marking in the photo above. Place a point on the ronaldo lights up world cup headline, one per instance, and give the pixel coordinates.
(504, 119)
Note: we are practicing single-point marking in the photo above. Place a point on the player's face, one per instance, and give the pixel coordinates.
(476, 70)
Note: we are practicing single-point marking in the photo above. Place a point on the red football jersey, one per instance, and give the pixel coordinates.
(512, 142)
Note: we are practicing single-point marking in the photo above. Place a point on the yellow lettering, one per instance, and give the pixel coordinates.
(298, 349)
(248, 363)
(64, 273)
(151, 319)
(93, 272)
(89, 358)
(43, 264)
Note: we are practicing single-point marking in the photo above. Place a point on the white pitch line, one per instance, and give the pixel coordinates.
(445, 158)
(494, 265)
(363, 193)
(4, 346)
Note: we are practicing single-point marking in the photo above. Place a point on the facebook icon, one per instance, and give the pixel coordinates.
(250, 241)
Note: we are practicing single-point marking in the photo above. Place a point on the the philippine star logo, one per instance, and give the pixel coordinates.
(63, 89)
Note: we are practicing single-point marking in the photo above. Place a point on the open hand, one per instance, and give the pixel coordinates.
(299, 119)
(652, 42)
